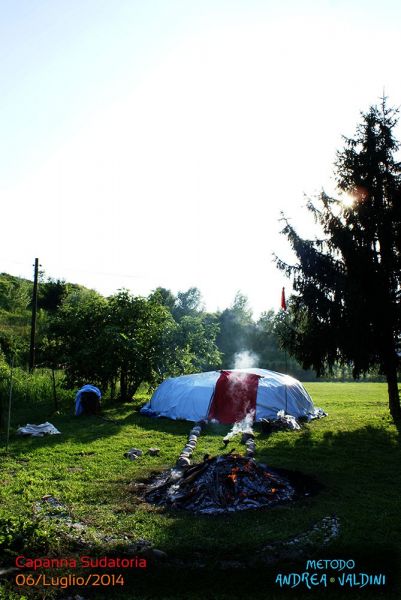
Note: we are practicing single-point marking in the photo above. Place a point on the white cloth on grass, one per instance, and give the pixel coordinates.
(38, 430)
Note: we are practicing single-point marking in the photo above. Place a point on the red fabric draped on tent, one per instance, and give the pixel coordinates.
(234, 396)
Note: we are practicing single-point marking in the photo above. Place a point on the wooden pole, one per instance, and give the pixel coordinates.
(10, 395)
(286, 393)
(54, 390)
(33, 321)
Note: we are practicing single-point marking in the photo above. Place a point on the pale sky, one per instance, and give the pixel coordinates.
(154, 143)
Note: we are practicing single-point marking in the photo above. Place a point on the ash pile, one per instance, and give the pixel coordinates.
(220, 484)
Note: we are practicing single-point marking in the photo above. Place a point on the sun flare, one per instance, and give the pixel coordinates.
(347, 200)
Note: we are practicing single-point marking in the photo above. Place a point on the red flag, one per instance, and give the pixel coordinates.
(283, 302)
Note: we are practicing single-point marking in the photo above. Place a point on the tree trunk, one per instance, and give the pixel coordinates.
(112, 389)
(393, 394)
(123, 384)
(390, 371)
(134, 385)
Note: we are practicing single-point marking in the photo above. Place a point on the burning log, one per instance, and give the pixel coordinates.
(225, 483)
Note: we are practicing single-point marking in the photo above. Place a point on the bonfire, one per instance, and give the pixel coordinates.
(225, 483)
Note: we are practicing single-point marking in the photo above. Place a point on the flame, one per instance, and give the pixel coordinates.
(233, 474)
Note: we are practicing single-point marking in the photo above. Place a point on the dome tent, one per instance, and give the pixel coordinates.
(228, 396)
(87, 400)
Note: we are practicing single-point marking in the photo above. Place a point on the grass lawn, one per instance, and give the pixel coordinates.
(354, 453)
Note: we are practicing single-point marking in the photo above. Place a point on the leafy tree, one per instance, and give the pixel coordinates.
(51, 294)
(13, 346)
(164, 297)
(191, 344)
(135, 329)
(15, 293)
(15, 297)
(187, 304)
(128, 339)
(77, 340)
(264, 343)
(346, 306)
(197, 336)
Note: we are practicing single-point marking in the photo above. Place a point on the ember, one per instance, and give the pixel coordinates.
(225, 483)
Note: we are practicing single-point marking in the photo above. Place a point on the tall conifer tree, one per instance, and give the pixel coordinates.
(346, 306)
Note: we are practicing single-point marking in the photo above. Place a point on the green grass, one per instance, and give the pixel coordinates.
(354, 453)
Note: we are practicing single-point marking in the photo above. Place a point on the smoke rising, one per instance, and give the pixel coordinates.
(245, 360)
(244, 426)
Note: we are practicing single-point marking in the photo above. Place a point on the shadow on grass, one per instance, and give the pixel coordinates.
(361, 475)
(86, 429)
(287, 449)
(343, 448)
(362, 482)
(360, 470)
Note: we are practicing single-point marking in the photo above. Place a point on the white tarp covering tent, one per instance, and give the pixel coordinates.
(190, 397)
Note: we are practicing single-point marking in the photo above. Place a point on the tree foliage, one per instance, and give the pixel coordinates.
(346, 306)
(128, 340)
(51, 294)
(76, 338)
(125, 340)
(15, 293)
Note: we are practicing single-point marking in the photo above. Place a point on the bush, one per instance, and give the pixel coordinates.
(32, 394)
(18, 534)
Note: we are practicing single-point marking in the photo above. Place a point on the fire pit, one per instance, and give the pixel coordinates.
(222, 484)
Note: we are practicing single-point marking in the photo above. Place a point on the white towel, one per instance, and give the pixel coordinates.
(38, 430)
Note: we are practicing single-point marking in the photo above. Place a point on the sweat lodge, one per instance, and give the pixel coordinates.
(227, 482)
(229, 396)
